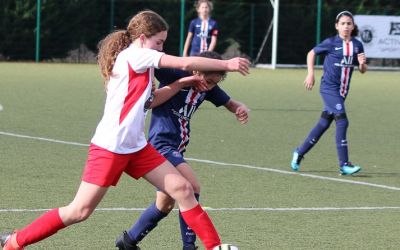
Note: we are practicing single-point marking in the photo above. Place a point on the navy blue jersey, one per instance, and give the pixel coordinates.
(202, 32)
(170, 122)
(340, 60)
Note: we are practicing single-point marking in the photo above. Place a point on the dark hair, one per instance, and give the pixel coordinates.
(349, 14)
(212, 55)
(344, 13)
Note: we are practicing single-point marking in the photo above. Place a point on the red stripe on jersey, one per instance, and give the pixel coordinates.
(136, 86)
(184, 122)
(346, 72)
(183, 135)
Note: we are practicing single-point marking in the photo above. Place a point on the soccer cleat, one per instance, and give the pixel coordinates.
(123, 242)
(4, 237)
(190, 247)
(226, 247)
(6, 242)
(295, 164)
(349, 169)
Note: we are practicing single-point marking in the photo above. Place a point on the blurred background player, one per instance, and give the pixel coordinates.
(169, 134)
(203, 30)
(342, 53)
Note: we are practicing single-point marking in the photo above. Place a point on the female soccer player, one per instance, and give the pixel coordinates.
(342, 53)
(203, 30)
(169, 134)
(127, 60)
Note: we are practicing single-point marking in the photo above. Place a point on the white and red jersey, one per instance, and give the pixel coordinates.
(121, 130)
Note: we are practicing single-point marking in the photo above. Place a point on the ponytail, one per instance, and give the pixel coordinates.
(354, 32)
(109, 48)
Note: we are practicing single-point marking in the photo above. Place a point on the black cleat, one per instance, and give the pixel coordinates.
(123, 242)
(4, 237)
(190, 247)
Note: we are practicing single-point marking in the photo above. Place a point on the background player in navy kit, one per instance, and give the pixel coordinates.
(169, 133)
(342, 53)
(203, 31)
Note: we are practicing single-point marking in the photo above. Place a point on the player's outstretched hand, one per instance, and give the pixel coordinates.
(242, 114)
(239, 64)
(309, 82)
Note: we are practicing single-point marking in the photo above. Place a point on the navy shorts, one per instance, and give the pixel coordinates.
(174, 157)
(333, 103)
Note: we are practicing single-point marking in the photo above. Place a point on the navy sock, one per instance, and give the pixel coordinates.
(319, 129)
(148, 221)
(188, 236)
(341, 141)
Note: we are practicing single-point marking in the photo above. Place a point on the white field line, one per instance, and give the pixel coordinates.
(297, 173)
(229, 164)
(239, 209)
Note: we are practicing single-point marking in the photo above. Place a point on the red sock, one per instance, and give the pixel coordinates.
(198, 220)
(44, 226)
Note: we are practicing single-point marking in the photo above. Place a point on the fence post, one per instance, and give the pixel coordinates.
(37, 47)
(318, 34)
(251, 37)
(182, 30)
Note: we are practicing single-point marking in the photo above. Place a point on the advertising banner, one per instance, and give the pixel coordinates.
(380, 35)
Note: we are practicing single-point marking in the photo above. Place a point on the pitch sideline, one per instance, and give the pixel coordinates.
(225, 164)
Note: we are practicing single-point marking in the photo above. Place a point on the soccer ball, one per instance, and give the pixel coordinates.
(226, 247)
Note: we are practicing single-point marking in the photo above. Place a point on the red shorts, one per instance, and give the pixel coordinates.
(104, 168)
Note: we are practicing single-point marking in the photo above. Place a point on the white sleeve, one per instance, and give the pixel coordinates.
(144, 59)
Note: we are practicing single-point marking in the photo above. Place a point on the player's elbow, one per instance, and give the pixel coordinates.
(187, 66)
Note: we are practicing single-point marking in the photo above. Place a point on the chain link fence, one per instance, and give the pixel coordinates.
(70, 30)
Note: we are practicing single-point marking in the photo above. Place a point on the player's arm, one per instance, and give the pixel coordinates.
(187, 43)
(362, 62)
(163, 94)
(238, 64)
(213, 43)
(239, 109)
(310, 80)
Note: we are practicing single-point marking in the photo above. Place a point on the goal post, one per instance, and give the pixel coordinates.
(273, 25)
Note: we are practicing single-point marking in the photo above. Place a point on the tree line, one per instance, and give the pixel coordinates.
(67, 24)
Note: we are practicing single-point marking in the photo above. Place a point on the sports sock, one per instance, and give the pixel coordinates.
(44, 226)
(188, 236)
(198, 220)
(319, 129)
(148, 221)
(341, 141)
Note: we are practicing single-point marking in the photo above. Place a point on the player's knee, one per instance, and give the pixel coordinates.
(183, 189)
(325, 121)
(78, 214)
(341, 120)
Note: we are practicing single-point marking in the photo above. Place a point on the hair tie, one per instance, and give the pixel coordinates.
(345, 12)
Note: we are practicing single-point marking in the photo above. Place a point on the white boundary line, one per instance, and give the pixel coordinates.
(227, 164)
(240, 209)
(297, 173)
